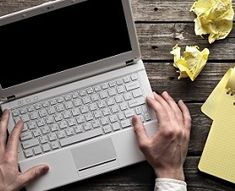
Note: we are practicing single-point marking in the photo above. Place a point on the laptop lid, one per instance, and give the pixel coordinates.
(63, 41)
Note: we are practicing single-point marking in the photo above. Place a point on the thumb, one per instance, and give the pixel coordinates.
(140, 132)
(32, 174)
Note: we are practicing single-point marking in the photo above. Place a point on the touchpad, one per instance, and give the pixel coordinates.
(94, 154)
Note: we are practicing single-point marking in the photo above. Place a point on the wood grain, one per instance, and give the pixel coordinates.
(157, 40)
(160, 25)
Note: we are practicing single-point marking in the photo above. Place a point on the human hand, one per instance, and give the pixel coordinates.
(10, 177)
(166, 150)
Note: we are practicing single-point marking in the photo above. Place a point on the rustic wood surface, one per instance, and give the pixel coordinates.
(160, 25)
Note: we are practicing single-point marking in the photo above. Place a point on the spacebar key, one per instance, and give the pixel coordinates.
(81, 137)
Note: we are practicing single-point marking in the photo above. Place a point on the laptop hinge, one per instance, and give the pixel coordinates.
(130, 62)
(9, 98)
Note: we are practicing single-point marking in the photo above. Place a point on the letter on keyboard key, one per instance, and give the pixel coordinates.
(81, 137)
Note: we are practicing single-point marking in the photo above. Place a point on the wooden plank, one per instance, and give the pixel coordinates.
(143, 10)
(163, 76)
(9, 6)
(140, 177)
(160, 10)
(157, 40)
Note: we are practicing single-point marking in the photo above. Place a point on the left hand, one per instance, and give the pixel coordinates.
(10, 177)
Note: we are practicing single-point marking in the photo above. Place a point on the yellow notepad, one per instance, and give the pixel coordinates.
(218, 157)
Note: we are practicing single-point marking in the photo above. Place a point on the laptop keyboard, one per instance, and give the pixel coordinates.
(80, 115)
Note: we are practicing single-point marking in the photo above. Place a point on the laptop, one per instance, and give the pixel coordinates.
(73, 73)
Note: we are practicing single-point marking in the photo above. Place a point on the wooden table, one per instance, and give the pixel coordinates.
(160, 25)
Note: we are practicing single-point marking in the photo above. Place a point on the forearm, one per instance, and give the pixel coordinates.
(163, 184)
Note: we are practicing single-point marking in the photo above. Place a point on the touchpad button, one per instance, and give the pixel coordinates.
(94, 154)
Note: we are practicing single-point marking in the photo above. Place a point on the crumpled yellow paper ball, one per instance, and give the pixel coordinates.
(191, 63)
(214, 17)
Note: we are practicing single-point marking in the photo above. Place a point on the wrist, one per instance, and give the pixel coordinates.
(177, 174)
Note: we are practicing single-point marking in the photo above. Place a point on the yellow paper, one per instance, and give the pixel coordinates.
(209, 107)
(214, 17)
(191, 63)
(218, 155)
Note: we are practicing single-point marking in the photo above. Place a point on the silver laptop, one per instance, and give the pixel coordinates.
(74, 75)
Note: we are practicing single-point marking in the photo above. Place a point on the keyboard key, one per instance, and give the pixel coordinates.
(107, 129)
(42, 112)
(80, 119)
(36, 132)
(61, 134)
(43, 139)
(28, 153)
(137, 102)
(127, 96)
(45, 130)
(25, 118)
(63, 124)
(87, 126)
(45, 104)
(95, 124)
(71, 122)
(75, 112)
(78, 129)
(66, 114)
(68, 105)
(58, 117)
(15, 113)
(137, 93)
(77, 102)
(52, 136)
(37, 150)
(40, 122)
(55, 145)
(129, 113)
(26, 136)
(81, 137)
(30, 143)
(116, 126)
(126, 123)
(49, 120)
(134, 77)
(132, 85)
(127, 79)
(69, 131)
(46, 147)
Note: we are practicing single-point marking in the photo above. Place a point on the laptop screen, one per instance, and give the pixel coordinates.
(62, 39)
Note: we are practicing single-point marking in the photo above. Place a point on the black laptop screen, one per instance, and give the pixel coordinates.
(62, 39)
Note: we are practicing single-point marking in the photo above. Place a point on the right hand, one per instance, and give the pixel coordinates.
(166, 150)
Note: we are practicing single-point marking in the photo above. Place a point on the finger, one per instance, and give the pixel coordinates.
(13, 140)
(140, 132)
(3, 128)
(163, 102)
(32, 174)
(186, 114)
(158, 109)
(173, 106)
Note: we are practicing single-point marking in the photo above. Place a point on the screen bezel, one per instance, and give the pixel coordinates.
(75, 73)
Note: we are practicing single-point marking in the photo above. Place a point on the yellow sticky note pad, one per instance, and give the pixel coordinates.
(191, 63)
(218, 155)
(214, 17)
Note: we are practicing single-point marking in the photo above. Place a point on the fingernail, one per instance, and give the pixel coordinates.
(45, 169)
(180, 101)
